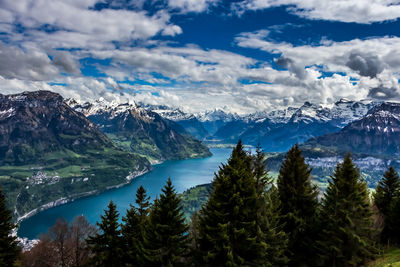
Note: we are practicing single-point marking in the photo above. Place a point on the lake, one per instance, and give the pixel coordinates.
(184, 174)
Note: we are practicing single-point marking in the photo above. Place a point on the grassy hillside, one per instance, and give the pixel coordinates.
(391, 258)
(194, 198)
(67, 174)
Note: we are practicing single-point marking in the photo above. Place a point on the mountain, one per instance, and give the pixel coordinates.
(214, 119)
(280, 129)
(51, 153)
(377, 133)
(188, 121)
(142, 131)
(373, 140)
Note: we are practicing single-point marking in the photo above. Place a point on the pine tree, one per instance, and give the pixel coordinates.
(166, 240)
(133, 228)
(394, 221)
(107, 244)
(228, 225)
(387, 190)
(299, 203)
(346, 217)
(9, 249)
(270, 230)
(143, 203)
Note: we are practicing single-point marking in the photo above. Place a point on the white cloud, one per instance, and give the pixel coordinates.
(189, 64)
(373, 62)
(32, 63)
(186, 6)
(76, 22)
(359, 11)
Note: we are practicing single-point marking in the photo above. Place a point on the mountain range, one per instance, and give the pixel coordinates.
(375, 134)
(52, 150)
(275, 130)
(142, 131)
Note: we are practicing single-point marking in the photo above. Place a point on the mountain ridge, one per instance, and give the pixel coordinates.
(142, 131)
(50, 152)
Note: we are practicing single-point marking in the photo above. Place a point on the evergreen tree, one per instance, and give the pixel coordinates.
(107, 244)
(166, 240)
(387, 190)
(299, 203)
(133, 228)
(9, 249)
(229, 222)
(346, 217)
(143, 203)
(394, 221)
(270, 230)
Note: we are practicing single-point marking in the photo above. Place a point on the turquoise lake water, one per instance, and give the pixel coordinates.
(184, 174)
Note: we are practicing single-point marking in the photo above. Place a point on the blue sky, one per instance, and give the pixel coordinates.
(240, 56)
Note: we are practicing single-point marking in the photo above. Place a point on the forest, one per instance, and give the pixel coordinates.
(248, 220)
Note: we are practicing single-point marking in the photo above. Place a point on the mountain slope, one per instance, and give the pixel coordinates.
(50, 152)
(142, 131)
(188, 121)
(377, 133)
(280, 129)
(373, 140)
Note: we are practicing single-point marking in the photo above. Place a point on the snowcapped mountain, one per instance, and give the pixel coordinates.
(188, 121)
(275, 130)
(278, 130)
(215, 119)
(142, 131)
(173, 114)
(376, 133)
(275, 116)
(216, 115)
(49, 152)
(340, 114)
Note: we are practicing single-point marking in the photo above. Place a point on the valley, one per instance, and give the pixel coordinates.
(51, 153)
(55, 151)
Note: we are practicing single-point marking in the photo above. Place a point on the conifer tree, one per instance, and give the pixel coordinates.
(9, 249)
(143, 203)
(107, 244)
(166, 240)
(133, 228)
(386, 192)
(270, 230)
(299, 203)
(229, 222)
(394, 221)
(346, 217)
(131, 237)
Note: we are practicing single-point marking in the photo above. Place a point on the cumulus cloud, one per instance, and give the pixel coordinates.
(365, 64)
(376, 68)
(138, 66)
(79, 21)
(377, 53)
(66, 62)
(185, 64)
(383, 93)
(294, 67)
(31, 64)
(187, 6)
(359, 11)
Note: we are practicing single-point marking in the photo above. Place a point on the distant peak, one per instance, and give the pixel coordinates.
(29, 96)
(343, 100)
(307, 104)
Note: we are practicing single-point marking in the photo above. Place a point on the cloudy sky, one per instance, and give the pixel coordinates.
(242, 56)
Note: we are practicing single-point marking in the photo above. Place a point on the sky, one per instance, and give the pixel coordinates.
(240, 56)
